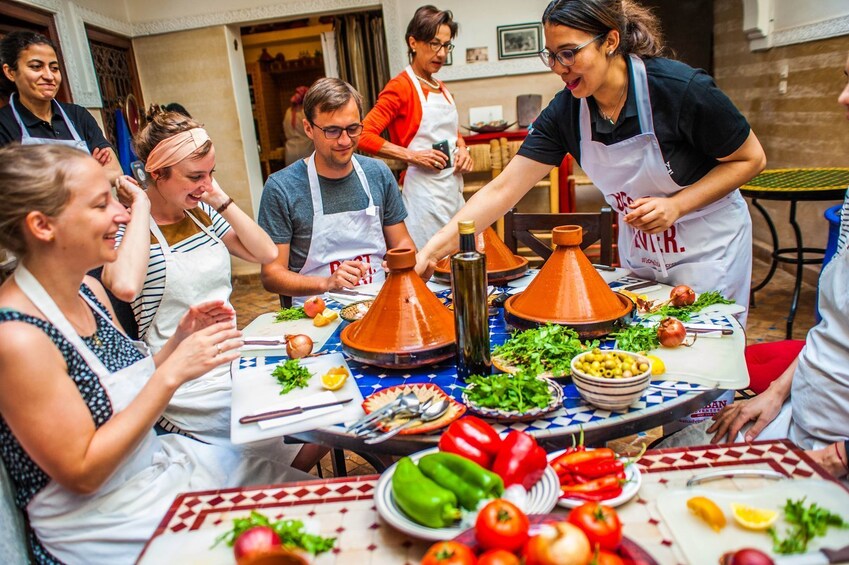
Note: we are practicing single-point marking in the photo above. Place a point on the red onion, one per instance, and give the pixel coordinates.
(255, 540)
(747, 556)
(682, 295)
(298, 345)
(671, 332)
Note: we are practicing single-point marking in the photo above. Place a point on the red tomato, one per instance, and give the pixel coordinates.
(501, 525)
(255, 540)
(606, 558)
(449, 553)
(600, 523)
(560, 544)
(498, 557)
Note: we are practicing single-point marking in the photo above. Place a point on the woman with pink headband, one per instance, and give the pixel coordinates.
(194, 228)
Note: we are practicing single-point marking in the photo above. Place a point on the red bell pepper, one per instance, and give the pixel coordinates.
(597, 489)
(520, 460)
(473, 439)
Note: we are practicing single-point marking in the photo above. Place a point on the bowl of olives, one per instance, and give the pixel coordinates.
(611, 379)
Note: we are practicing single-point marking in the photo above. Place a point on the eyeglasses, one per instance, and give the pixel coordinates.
(335, 132)
(436, 46)
(565, 57)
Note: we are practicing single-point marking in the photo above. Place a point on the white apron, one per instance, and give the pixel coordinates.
(346, 236)
(432, 199)
(27, 139)
(708, 249)
(200, 407)
(112, 524)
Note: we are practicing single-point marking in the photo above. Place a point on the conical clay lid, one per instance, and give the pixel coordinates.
(568, 290)
(406, 326)
(501, 264)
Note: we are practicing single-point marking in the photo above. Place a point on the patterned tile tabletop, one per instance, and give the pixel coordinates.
(344, 508)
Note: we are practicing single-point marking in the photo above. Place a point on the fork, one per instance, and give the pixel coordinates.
(373, 429)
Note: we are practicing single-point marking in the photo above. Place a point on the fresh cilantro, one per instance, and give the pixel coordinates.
(288, 314)
(684, 313)
(806, 523)
(290, 532)
(509, 392)
(549, 348)
(637, 338)
(291, 375)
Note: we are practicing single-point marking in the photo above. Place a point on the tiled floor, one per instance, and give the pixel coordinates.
(767, 322)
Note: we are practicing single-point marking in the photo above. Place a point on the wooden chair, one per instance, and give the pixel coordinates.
(598, 227)
(482, 171)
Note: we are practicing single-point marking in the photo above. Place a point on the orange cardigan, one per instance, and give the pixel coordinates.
(397, 109)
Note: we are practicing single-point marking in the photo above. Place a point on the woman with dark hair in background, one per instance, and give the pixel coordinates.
(298, 144)
(31, 72)
(423, 125)
(663, 144)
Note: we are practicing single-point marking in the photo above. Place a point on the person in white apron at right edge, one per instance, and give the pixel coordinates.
(664, 145)
(79, 397)
(423, 124)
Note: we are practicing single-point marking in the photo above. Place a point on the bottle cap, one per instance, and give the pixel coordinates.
(466, 226)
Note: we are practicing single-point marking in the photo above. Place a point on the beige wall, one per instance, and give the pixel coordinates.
(191, 67)
(803, 128)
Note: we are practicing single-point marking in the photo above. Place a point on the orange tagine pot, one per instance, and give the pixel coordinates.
(568, 291)
(501, 264)
(406, 326)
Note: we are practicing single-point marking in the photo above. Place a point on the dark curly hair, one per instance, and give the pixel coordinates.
(10, 50)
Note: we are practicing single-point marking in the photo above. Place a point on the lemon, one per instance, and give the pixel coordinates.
(753, 518)
(657, 366)
(707, 510)
(335, 378)
(324, 318)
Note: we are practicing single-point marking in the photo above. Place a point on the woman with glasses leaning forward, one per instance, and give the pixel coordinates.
(423, 125)
(664, 145)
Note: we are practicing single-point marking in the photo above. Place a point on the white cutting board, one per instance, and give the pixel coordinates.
(264, 327)
(256, 391)
(701, 545)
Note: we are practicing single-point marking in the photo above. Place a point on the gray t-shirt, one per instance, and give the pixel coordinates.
(286, 212)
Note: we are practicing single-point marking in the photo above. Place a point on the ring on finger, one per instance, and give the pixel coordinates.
(218, 347)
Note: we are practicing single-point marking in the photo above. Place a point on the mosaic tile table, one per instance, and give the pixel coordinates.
(344, 508)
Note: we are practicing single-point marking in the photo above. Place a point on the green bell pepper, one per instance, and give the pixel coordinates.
(421, 499)
(465, 478)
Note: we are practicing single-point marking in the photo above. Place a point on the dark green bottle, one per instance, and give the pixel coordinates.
(471, 312)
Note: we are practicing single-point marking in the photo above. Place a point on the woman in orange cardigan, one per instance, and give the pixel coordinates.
(422, 120)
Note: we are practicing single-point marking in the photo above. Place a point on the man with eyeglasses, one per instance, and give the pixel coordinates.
(332, 215)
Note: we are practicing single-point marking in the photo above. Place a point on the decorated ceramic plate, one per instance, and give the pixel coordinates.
(424, 392)
(541, 499)
(512, 416)
(633, 480)
(628, 550)
(482, 127)
(355, 310)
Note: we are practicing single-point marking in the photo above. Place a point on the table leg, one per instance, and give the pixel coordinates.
(800, 262)
(774, 256)
(337, 460)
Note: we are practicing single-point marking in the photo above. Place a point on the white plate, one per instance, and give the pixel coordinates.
(541, 500)
(629, 489)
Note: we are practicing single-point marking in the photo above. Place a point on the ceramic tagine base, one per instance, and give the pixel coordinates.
(501, 264)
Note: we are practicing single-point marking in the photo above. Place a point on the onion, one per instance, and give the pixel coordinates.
(747, 556)
(298, 345)
(671, 332)
(255, 540)
(682, 295)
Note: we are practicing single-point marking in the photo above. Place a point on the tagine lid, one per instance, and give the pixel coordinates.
(500, 261)
(568, 289)
(406, 315)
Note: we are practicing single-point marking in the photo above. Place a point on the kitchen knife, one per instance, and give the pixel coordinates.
(637, 286)
(288, 412)
(821, 557)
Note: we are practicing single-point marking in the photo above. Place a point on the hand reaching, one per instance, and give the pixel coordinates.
(425, 266)
(652, 214)
(761, 410)
(204, 350)
(204, 315)
(347, 275)
(128, 191)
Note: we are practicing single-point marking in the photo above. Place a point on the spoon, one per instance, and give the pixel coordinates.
(373, 428)
(435, 411)
(406, 402)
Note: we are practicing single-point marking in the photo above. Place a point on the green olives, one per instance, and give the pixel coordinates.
(611, 364)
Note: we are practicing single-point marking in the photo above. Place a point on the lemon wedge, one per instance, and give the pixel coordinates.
(707, 510)
(335, 378)
(657, 366)
(324, 318)
(753, 518)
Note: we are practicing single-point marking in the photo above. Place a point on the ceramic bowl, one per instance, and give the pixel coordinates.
(513, 416)
(610, 393)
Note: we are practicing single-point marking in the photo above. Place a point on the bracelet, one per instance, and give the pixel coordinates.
(837, 452)
(223, 207)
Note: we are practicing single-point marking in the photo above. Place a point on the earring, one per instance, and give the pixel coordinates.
(610, 53)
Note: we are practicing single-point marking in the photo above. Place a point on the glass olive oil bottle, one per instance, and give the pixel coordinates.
(471, 321)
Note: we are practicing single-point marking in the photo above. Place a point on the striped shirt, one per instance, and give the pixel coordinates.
(183, 237)
(843, 236)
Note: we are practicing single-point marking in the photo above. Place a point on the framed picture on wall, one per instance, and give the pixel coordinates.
(519, 40)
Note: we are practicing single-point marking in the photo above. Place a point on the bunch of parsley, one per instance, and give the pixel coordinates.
(291, 375)
(806, 523)
(637, 338)
(288, 314)
(290, 532)
(549, 348)
(684, 313)
(518, 392)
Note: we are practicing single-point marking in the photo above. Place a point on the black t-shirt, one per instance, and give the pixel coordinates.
(84, 123)
(694, 121)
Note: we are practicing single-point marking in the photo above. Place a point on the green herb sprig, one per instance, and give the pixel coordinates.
(806, 523)
(289, 314)
(684, 313)
(291, 375)
(637, 338)
(290, 532)
(510, 392)
(549, 348)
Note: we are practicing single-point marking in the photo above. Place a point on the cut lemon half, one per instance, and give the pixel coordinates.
(335, 378)
(324, 318)
(753, 518)
(707, 510)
